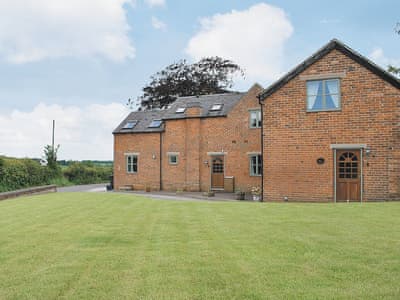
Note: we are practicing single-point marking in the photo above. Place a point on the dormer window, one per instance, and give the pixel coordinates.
(216, 107)
(155, 124)
(130, 124)
(323, 95)
(180, 110)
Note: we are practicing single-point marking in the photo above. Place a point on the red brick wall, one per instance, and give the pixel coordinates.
(192, 138)
(147, 145)
(233, 136)
(294, 139)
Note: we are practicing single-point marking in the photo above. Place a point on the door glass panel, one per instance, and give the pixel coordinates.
(348, 165)
(218, 166)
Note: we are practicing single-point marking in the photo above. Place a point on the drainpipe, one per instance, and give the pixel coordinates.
(161, 155)
(262, 148)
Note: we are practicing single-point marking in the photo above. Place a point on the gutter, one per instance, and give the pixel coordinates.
(260, 101)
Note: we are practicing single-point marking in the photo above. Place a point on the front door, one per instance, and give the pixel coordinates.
(217, 172)
(348, 175)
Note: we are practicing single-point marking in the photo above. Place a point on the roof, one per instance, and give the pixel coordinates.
(144, 119)
(333, 44)
(205, 102)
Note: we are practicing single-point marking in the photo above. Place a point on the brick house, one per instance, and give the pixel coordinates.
(199, 143)
(331, 130)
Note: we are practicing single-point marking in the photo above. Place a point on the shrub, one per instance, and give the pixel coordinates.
(22, 173)
(86, 173)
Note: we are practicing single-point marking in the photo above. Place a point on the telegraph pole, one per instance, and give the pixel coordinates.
(52, 140)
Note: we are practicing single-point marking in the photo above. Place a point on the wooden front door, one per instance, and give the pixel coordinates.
(217, 172)
(348, 175)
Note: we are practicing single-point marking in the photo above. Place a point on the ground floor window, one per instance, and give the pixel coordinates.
(173, 159)
(255, 165)
(131, 163)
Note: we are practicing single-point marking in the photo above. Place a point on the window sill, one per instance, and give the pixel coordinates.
(322, 110)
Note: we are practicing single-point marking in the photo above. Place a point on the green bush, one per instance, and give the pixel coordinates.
(21, 173)
(86, 173)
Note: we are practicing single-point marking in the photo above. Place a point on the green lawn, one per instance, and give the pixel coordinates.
(111, 246)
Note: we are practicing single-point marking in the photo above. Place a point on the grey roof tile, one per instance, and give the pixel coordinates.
(145, 118)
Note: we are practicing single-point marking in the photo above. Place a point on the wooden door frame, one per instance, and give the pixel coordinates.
(212, 155)
(358, 147)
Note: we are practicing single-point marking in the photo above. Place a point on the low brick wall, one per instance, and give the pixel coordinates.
(29, 191)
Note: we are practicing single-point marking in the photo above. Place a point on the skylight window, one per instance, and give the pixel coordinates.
(180, 110)
(155, 124)
(130, 124)
(216, 107)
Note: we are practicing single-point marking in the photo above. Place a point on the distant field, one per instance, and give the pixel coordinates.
(112, 246)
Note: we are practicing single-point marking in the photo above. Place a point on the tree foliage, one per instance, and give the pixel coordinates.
(50, 155)
(208, 76)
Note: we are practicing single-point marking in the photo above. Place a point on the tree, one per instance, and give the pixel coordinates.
(209, 75)
(391, 68)
(50, 155)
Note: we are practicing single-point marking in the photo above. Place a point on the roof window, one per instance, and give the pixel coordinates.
(216, 107)
(155, 124)
(180, 110)
(130, 124)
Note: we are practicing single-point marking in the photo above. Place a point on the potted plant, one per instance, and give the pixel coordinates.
(239, 194)
(256, 192)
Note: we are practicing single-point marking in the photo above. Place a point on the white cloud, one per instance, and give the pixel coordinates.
(378, 56)
(253, 38)
(83, 133)
(153, 3)
(158, 24)
(32, 30)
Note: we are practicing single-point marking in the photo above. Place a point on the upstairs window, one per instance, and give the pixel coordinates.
(131, 164)
(323, 95)
(155, 124)
(216, 107)
(255, 118)
(255, 165)
(130, 124)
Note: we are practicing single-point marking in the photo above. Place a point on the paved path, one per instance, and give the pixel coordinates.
(84, 188)
(191, 196)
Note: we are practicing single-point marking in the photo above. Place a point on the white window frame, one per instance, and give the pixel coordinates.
(173, 155)
(339, 106)
(132, 163)
(258, 163)
(257, 113)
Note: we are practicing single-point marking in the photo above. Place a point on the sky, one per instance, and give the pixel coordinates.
(78, 61)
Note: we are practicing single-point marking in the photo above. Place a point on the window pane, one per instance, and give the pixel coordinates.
(134, 168)
(332, 101)
(313, 87)
(332, 86)
(255, 116)
(316, 102)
